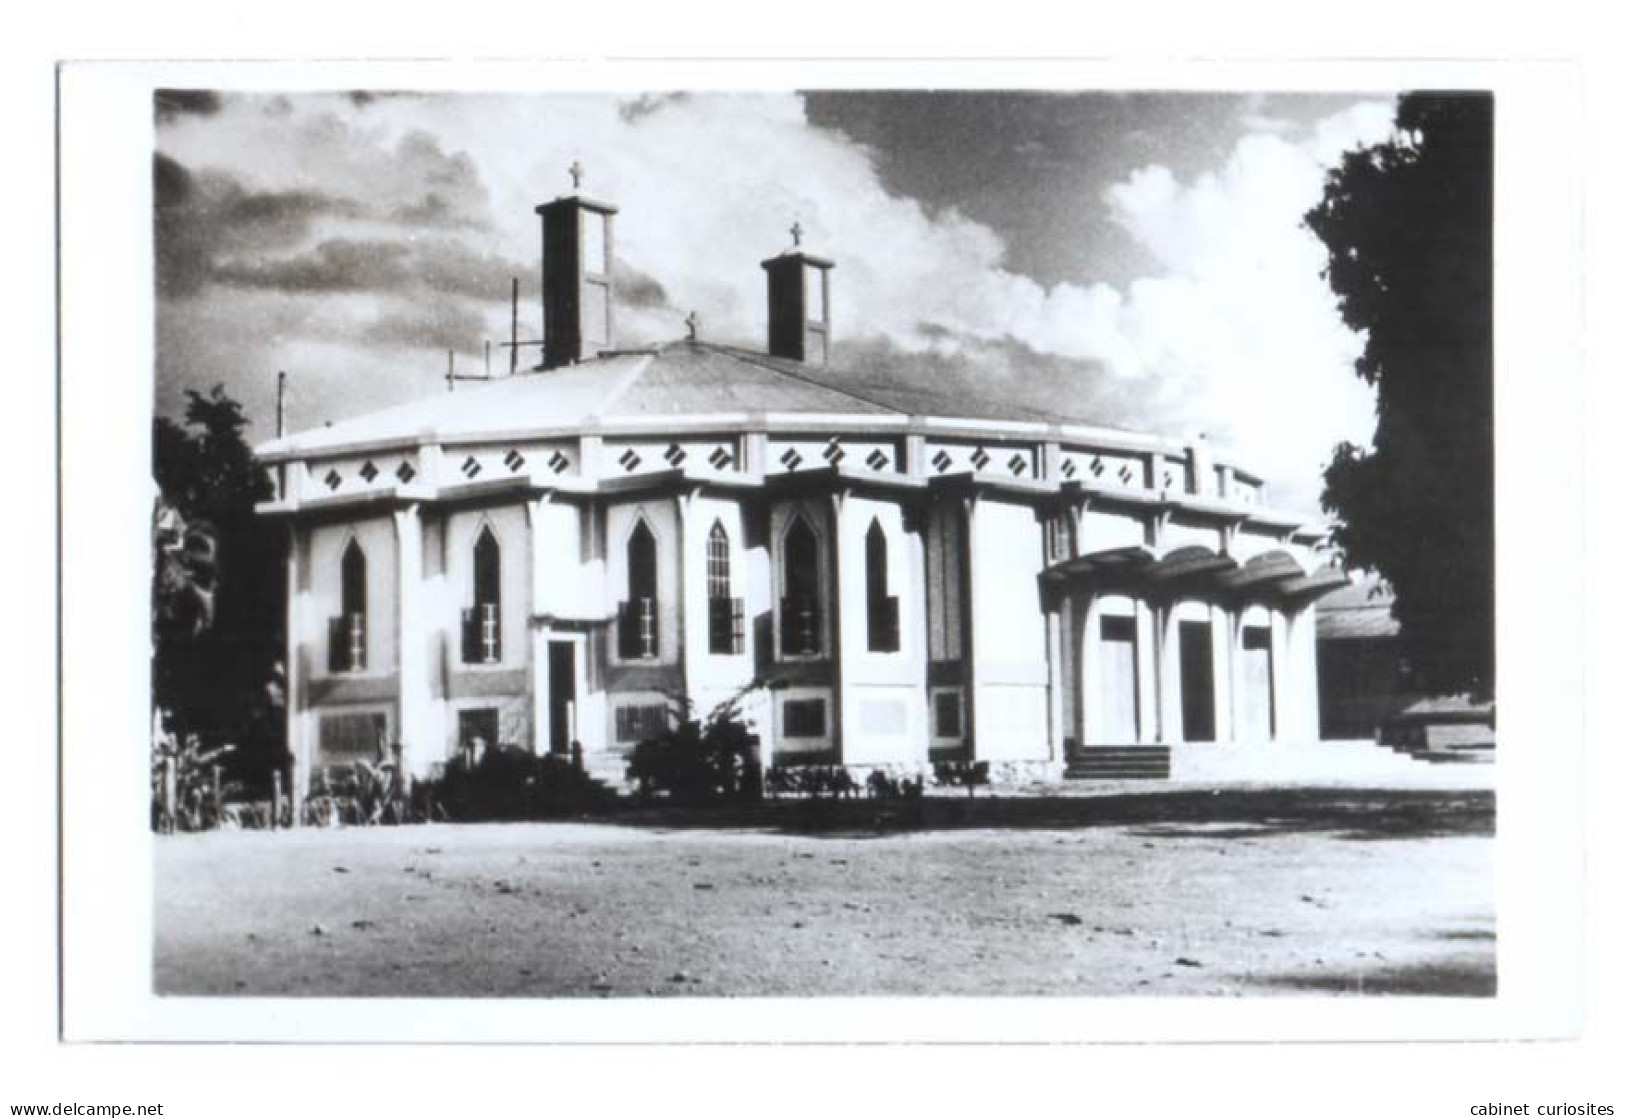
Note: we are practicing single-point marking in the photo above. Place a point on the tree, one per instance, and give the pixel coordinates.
(217, 609)
(1408, 228)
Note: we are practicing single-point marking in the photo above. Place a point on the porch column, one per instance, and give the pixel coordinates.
(1056, 633)
(1147, 672)
(1281, 676)
(1304, 706)
(1086, 673)
(541, 726)
(412, 637)
(1224, 683)
(1170, 711)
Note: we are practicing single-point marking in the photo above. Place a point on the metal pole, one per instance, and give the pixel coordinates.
(451, 371)
(281, 397)
(513, 331)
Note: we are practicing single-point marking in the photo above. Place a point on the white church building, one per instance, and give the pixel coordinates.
(550, 557)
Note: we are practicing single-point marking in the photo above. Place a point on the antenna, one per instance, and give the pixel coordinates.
(513, 331)
(281, 398)
(515, 343)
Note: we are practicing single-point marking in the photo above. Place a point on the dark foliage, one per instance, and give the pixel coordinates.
(509, 783)
(1408, 225)
(816, 781)
(714, 760)
(217, 671)
(969, 775)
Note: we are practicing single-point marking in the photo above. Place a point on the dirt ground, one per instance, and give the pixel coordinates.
(1180, 891)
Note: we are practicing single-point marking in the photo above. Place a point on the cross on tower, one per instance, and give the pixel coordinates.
(576, 174)
(795, 233)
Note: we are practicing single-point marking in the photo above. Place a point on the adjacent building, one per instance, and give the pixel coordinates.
(550, 557)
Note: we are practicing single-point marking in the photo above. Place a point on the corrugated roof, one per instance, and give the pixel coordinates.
(680, 378)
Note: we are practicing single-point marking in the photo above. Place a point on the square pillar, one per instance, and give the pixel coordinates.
(1281, 695)
(1147, 671)
(1224, 682)
(1304, 682)
(412, 630)
(1170, 712)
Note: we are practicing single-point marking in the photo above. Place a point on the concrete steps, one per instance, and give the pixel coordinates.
(1131, 762)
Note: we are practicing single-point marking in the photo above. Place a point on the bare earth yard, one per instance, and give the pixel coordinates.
(1162, 890)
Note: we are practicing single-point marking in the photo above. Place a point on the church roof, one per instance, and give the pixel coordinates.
(686, 378)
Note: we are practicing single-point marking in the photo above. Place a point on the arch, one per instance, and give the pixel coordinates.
(482, 625)
(884, 631)
(347, 633)
(725, 614)
(718, 563)
(639, 622)
(642, 562)
(800, 559)
(487, 568)
(353, 579)
(801, 608)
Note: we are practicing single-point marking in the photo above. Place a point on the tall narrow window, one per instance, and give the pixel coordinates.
(482, 625)
(799, 627)
(639, 614)
(1058, 535)
(347, 633)
(883, 627)
(726, 620)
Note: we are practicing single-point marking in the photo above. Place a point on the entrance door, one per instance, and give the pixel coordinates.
(561, 692)
(1257, 704)
(1196, 679)
(1119, 683)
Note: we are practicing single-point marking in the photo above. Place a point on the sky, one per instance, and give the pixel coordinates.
(1140, 254)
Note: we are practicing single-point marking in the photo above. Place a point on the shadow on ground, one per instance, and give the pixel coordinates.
(1448, 979)
(1229, 814)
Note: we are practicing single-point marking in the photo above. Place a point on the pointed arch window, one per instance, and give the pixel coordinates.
(639, 614)
(482, 624)
(347, 633)
(800, 610)
(884, 631)
(726, 613)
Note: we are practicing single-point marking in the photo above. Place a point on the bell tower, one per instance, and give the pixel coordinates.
(798, 303)
(578, 266)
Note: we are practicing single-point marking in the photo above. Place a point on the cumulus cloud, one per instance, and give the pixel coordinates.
(386, 200)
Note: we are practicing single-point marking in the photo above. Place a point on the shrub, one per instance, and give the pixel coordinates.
(969, 775)
(717, 759)
(188, 791)
(814, 781)
(508, 782)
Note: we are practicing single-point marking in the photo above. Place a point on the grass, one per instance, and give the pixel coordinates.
(1166, 891)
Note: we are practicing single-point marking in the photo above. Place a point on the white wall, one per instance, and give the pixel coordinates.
(713, 677)
(1009, 705)
(661, 516)
(509, 524)
(376, 536)
(882, 693)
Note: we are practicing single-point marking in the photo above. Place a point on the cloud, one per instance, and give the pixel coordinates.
(200, 219)
(436, 324)
(387, 200)
(388, 267)
(168, 104)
